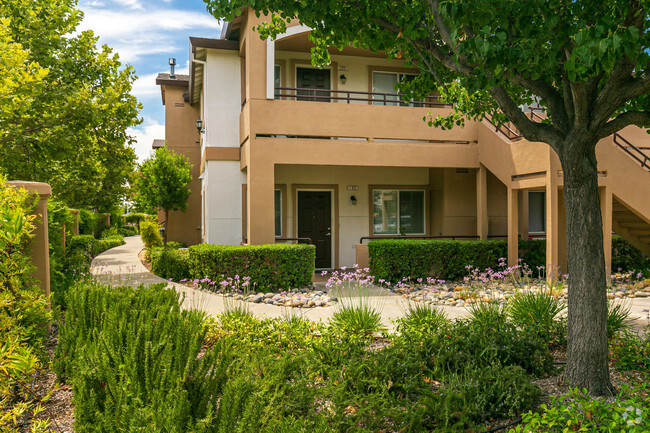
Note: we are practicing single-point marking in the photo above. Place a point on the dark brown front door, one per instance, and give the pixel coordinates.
(307, 78)
(315, 222)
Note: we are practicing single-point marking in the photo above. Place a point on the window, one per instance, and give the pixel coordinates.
(537, 212)
(385, 82)
(397, 212)
(278, 213)
(278, 80)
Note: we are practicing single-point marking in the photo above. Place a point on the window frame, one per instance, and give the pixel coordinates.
(399, 189)
(399, 102)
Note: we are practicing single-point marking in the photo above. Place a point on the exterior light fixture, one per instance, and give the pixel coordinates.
(343, 78)
(199, 126)
(172, 64)
(353, 200)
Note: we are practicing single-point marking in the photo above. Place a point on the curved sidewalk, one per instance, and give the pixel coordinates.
(121, 266)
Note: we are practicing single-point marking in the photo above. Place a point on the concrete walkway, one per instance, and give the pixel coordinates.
(121, 266)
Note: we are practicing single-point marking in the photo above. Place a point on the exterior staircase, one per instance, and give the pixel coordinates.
(631, 227)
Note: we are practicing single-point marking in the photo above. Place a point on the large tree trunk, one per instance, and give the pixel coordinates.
(587, 355)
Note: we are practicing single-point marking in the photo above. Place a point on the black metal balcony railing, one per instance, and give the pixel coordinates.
(349, 96)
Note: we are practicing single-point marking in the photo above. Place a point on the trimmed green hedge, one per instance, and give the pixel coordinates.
(91, 246)
(394, 259)
(170, 263)
(278, 266)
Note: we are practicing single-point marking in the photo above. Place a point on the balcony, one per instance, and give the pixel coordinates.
(354, 97)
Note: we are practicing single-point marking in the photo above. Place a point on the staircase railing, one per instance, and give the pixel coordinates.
(512, 134)
(637, 154)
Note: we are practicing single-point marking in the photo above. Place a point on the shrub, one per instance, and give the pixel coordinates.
(618, 317)
(127, 231)
(170, 263)
(356, 319)
(421, 320)
(394, 259)
(631, 351)
(150, 232)
(88, 222)
(577, 411)
(268, 266)
(627, 257)
(136, 361)
(537, 312)
(134, 218)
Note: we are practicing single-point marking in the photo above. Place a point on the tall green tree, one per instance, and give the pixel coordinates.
(162, 182)
(585, 62)
(72, 133)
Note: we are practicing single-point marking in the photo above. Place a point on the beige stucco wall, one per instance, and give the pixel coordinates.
(181, 137)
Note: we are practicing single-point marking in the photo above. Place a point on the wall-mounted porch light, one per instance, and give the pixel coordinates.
(353, 200)
(343, 78)
(172, 64)
(199, 126)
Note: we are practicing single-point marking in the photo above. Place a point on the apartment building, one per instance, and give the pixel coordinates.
(286, 152)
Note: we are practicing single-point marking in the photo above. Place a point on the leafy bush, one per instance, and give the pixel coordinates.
(577, 411)
(168, 263)
(23, 313)
(150, 232)
(631, 351)
(268, 266)
(394, 259)
(127, 231)
(135, 361)
(88, 222)
(627, 257)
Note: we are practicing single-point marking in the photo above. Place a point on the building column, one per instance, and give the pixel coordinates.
(481, 203)
(553, 270)
(523, 213)
(513, 227)
(39, 244)
(260, 204)
(606, 205)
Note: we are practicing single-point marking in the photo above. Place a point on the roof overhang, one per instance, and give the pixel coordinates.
(164, 80)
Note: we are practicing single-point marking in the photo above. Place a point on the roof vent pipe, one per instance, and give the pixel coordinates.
(172, 64)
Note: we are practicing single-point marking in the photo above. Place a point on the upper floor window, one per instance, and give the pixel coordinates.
(398, 212)
(384, 83)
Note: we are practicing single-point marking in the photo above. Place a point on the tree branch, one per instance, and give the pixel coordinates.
(550, 95)
(638, 118)
(532, 131)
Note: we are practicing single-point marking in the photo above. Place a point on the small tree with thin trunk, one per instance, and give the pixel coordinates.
(162, 182)
(585, 62)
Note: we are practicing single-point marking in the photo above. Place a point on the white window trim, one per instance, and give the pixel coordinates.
(424, 212)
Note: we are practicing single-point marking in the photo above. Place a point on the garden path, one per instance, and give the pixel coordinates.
(121, 266)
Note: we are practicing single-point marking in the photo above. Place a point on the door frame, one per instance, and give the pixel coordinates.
(294, 64)
(334, 189)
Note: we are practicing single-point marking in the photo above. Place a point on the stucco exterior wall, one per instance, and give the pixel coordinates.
(222, 182)
(222, 100)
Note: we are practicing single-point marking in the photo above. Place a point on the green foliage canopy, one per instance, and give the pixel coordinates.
(65, 105)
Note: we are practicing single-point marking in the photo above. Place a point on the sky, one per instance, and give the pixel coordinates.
(145, 34)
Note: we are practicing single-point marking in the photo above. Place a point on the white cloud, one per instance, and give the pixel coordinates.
(131, 4)
(135, 32)
(144, 135)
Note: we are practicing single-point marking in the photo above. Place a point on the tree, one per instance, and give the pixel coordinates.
(585, 62)
(163, 182)
(72, 132)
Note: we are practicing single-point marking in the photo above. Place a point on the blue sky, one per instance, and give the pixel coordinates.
(146, 33)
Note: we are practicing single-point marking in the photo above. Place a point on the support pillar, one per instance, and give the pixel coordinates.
(513, 227)
(481, 203)
(523, 213)
(553, 270)
(606, 206)
(39, 245)
(260, 206)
